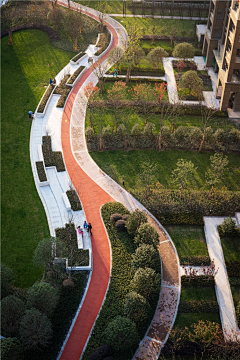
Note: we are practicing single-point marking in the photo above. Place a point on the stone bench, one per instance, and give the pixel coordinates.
(40, 153)
(66, 201)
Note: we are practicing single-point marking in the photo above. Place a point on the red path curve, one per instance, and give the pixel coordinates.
(92, 198)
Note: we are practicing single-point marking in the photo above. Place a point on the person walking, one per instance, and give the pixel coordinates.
(85, 225)
(90, 228)
(30, 114)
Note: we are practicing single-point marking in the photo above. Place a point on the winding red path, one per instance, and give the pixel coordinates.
(92, 198)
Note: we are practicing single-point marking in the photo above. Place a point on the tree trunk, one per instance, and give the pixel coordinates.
(100, 143)
(126, 144)
(160, 141)
(128, 74)
(202, 142)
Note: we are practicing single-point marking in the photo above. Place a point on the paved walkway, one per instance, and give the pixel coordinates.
(222, 287)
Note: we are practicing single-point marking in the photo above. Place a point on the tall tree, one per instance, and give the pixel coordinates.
(130, 47)
(99, 70)
(184, 174)
(143, 93)
(216, 170)
(207, 113)
(192, 82)
(156, 55)
(115, 96)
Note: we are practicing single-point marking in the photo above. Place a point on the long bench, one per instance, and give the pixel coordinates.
(66, 201)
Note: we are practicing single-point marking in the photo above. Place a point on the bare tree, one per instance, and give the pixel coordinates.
(207, 114)
(130, 47)
(99, 70)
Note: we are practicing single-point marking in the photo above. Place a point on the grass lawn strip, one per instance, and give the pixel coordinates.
(25, 76)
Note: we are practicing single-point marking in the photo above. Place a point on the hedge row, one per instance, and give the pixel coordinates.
(75, 74)
(41, 171)
(77, 57)
(195, 260)
(199, 280)
(189, 207)
(139, 71)
(68, 235)
(198, 306)
(234, 281)
(74, 200)
(145, 79)
(52, 158)
(103, 42)
(233, 268)
(63, 90)
(45, 98)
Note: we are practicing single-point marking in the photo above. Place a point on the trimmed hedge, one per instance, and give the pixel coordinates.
(41, 171)
(145, 79)
(77, 57)
(199, 280)
(198, 306)
(45, 98)
(233, 268)
(52, 158)
(74, 200)
(75, 74)
(80, 257)
(195, 260)
(103, 42)
(63, 90)
(234, 281)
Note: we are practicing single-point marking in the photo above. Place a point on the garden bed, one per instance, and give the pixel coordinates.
(74, 200)
(74, 76)
(68, 235)
(77, 57)
(45, 98)
(63, 90)
(41, 171)
(103, 42)
(52, 158)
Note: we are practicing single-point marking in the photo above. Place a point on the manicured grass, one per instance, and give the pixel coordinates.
(25, 74)
(231, 248)
(147, 45)
(127, 166)
(113, 7)
(189, 240)
(198, 293)
(145, 24)
(132, 117)
(187, 319)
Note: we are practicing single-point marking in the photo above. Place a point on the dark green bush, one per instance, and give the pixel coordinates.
(146, 234)
(11, 349)
(74, 200)
(115, 217)
(235, 281)
(103, 352)
(198, 306)
(6, 276)
(135, 219)
(146, 256)
(58, 161)
(12, 311)
(63, 90)
(200, 280)
(52, 158)
(228, 228)
(121, 334)
(45, 98)
(120, 225)
(75, 74)
(136, 308)
(41, 171)
(146, 282)
(233, 268)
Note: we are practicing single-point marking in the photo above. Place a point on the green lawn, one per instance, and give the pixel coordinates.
(187, 319)
(231, 248)
(144, 24)
(198, 293)
(25, 74)
(189, 240)
(127, 166)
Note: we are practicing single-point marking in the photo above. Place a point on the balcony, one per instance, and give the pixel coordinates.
(228, 56)
(237, 59)
(219, 57)
(231, 37)
(211, 17)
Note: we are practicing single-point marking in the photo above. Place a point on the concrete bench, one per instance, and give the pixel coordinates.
(40, 153)
(66, 201)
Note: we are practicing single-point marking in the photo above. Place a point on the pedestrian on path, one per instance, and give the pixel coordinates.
(80, 231)
(90, 228)
(123, 183)
(30, 114)
(85, 225)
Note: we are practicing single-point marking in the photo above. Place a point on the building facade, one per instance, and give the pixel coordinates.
(221, 47)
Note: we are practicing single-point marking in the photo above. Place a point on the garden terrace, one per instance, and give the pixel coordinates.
(52, 158)
(103, 42)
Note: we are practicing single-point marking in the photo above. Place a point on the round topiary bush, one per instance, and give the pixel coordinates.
(136, 308)
(43, 297)
(115, 217)
(125, 217)
(146, 282)
(121, 334)
(228, 227)
(184, 50)
(11, 349)
(146, 256)
(146, 234)
(120, 225)
(135, 219)
(12, 311)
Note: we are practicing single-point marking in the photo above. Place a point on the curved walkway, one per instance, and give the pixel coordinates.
(96, 188)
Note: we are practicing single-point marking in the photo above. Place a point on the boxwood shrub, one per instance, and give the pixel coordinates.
(200, 280)
(52, 158)
(75, 74)
(233, 268)
(41, 171)
(68, 235)
(195, 260)
(103, 42)
(45, 98)
(77, 57)
(74, 200)
(198, 306)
